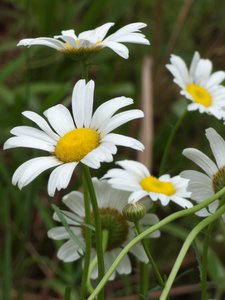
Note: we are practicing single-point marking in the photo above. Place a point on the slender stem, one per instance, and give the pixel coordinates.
(98, 226)
(151, 259)
(204, 262)
(192, 235)
(105, 238)
(84, 66)
(148, 231)
(169, 143)
(87, 239)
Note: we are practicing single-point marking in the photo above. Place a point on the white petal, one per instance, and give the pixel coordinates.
(215, 78)
(78, 102)
(194, 62)
(29, 170)
(100, 32)
(126, 30)
(75, 202)
(203, 161)
(137, 195)
(124, 266)
(120, 119)
(118, 48)
(105, 111)
(70, 218)
(135, 167)
(50, 42)
(68, 252)
(41, 123)
(217, 145)
(88, 104)
(60, 119)
(60, 233)
(139, 252)
(181, 201)
(122, 140)
(179, 63)
(203, 69)
(60, 177)
(28, 142)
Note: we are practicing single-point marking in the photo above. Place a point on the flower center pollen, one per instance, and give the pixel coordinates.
(76, 144)
(199, 94)
(154, 185)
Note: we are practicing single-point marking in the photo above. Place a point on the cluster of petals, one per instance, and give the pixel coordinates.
(107, 197)
(133, 172)
(93, 39)
(200, 75)
(201, 184)
(103, 121)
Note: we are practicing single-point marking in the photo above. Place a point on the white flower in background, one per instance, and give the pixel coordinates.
(136, 178)
(199, 85)
(204, 185)
(93, 40)
(83, 137)
(111, 203)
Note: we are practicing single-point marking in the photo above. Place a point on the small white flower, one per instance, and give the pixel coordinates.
(204, 185)
(93, 40)
(120, 231)
(84, 137)
(136, 178)
(199, 85)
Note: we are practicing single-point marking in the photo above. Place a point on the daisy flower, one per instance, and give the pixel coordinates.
(136, 178)
(93, 40)
(199, 84)
(120, 231)
(81, 137)
(204, 185)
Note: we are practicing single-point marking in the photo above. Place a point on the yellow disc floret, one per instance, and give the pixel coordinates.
(74, 145)
(199, 94)
(154, 185)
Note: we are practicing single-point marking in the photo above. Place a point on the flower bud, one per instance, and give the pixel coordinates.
(133, 212)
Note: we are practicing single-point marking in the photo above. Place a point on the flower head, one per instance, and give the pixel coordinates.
(81, 137)
(120, 231)
(93, 40)
(136, 178)
(199, 85)
(204, 185)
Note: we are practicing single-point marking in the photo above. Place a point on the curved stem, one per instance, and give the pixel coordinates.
(151, 259)
(169, 143)
(98, 226)
(192, 235)
(204, 262)
(105, 238)
(87, 240)
(148, 231)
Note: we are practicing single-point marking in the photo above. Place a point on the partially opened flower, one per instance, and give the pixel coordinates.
(136, 178)
(120, 231)
(82, 137)
(204, 185)
(200, 85)
(93, 40)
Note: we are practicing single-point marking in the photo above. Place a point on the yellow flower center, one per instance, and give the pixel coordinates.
(199, 94)
(152, 184)
(74, 145)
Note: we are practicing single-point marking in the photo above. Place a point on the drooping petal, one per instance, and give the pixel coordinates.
(118, 48)
(68, 252)
(75, 202)
(136, 196)
(217, 145)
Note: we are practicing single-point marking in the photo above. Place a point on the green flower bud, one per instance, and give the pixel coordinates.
(134, 212)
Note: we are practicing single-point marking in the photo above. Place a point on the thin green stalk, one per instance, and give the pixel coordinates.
(151, 259)
(147, 232)
(98, 227)
(169, 143)
(87, 240)
(192, 235)
(105, 238)
(204, 262)
(84, 66)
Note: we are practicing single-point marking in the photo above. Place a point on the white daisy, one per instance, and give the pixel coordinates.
(93, 40)
(120, 231)
(204, 185)
(199, 85)
(136, 178)
(84, 137)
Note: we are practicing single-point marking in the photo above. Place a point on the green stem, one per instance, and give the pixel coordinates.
(84, 67)
(192, 235)
(98, 226)
(169, 143)
(105, 236)
(87, 239)
(148, 231)
(151, 259)
(204, 262)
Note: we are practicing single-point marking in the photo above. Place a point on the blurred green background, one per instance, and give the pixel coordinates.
(39, 77)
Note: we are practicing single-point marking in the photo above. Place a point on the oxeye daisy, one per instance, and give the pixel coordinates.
(93, 40)
(136, 178)
(204, 185)
(120, 231)
(199, 84)
(81, 137)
